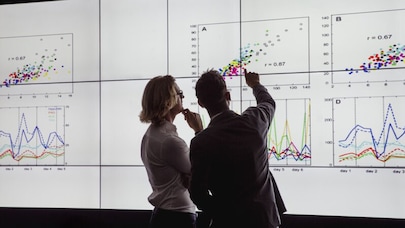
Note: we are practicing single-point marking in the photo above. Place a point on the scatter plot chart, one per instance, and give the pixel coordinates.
(391, 57)
(367, 49)
(36, 64)
(268, 47)
(32, 136)
(369, 132)
(289, 135)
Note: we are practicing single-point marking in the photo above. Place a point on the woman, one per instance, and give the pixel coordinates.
(165, 155)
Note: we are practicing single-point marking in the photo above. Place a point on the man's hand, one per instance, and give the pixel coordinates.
(252, 78)
(193, 119)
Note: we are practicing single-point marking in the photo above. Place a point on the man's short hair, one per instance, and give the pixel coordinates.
(211, 88)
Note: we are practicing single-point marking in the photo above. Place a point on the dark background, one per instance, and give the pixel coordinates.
(43, 217)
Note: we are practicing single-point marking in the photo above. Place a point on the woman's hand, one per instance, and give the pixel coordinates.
(193, 119)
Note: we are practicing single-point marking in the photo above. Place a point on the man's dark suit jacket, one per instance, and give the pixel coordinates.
(231, 181)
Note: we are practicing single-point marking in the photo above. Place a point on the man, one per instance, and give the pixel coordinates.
(231, 181)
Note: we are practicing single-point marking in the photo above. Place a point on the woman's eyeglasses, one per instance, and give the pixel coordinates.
(180, 93)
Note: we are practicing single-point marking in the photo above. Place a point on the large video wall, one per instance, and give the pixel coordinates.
(72, 75)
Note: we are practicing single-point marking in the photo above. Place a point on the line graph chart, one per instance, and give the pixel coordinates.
(32, 136)
(289, 135)
(371, 132)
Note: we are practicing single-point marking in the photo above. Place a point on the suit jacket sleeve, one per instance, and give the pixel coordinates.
(262, 114)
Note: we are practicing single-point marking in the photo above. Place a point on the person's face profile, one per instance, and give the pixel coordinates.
(179, 97)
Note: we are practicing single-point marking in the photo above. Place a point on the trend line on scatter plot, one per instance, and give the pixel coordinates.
(20, 147)
(390, 135)
(392, 57)
(284, 147)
